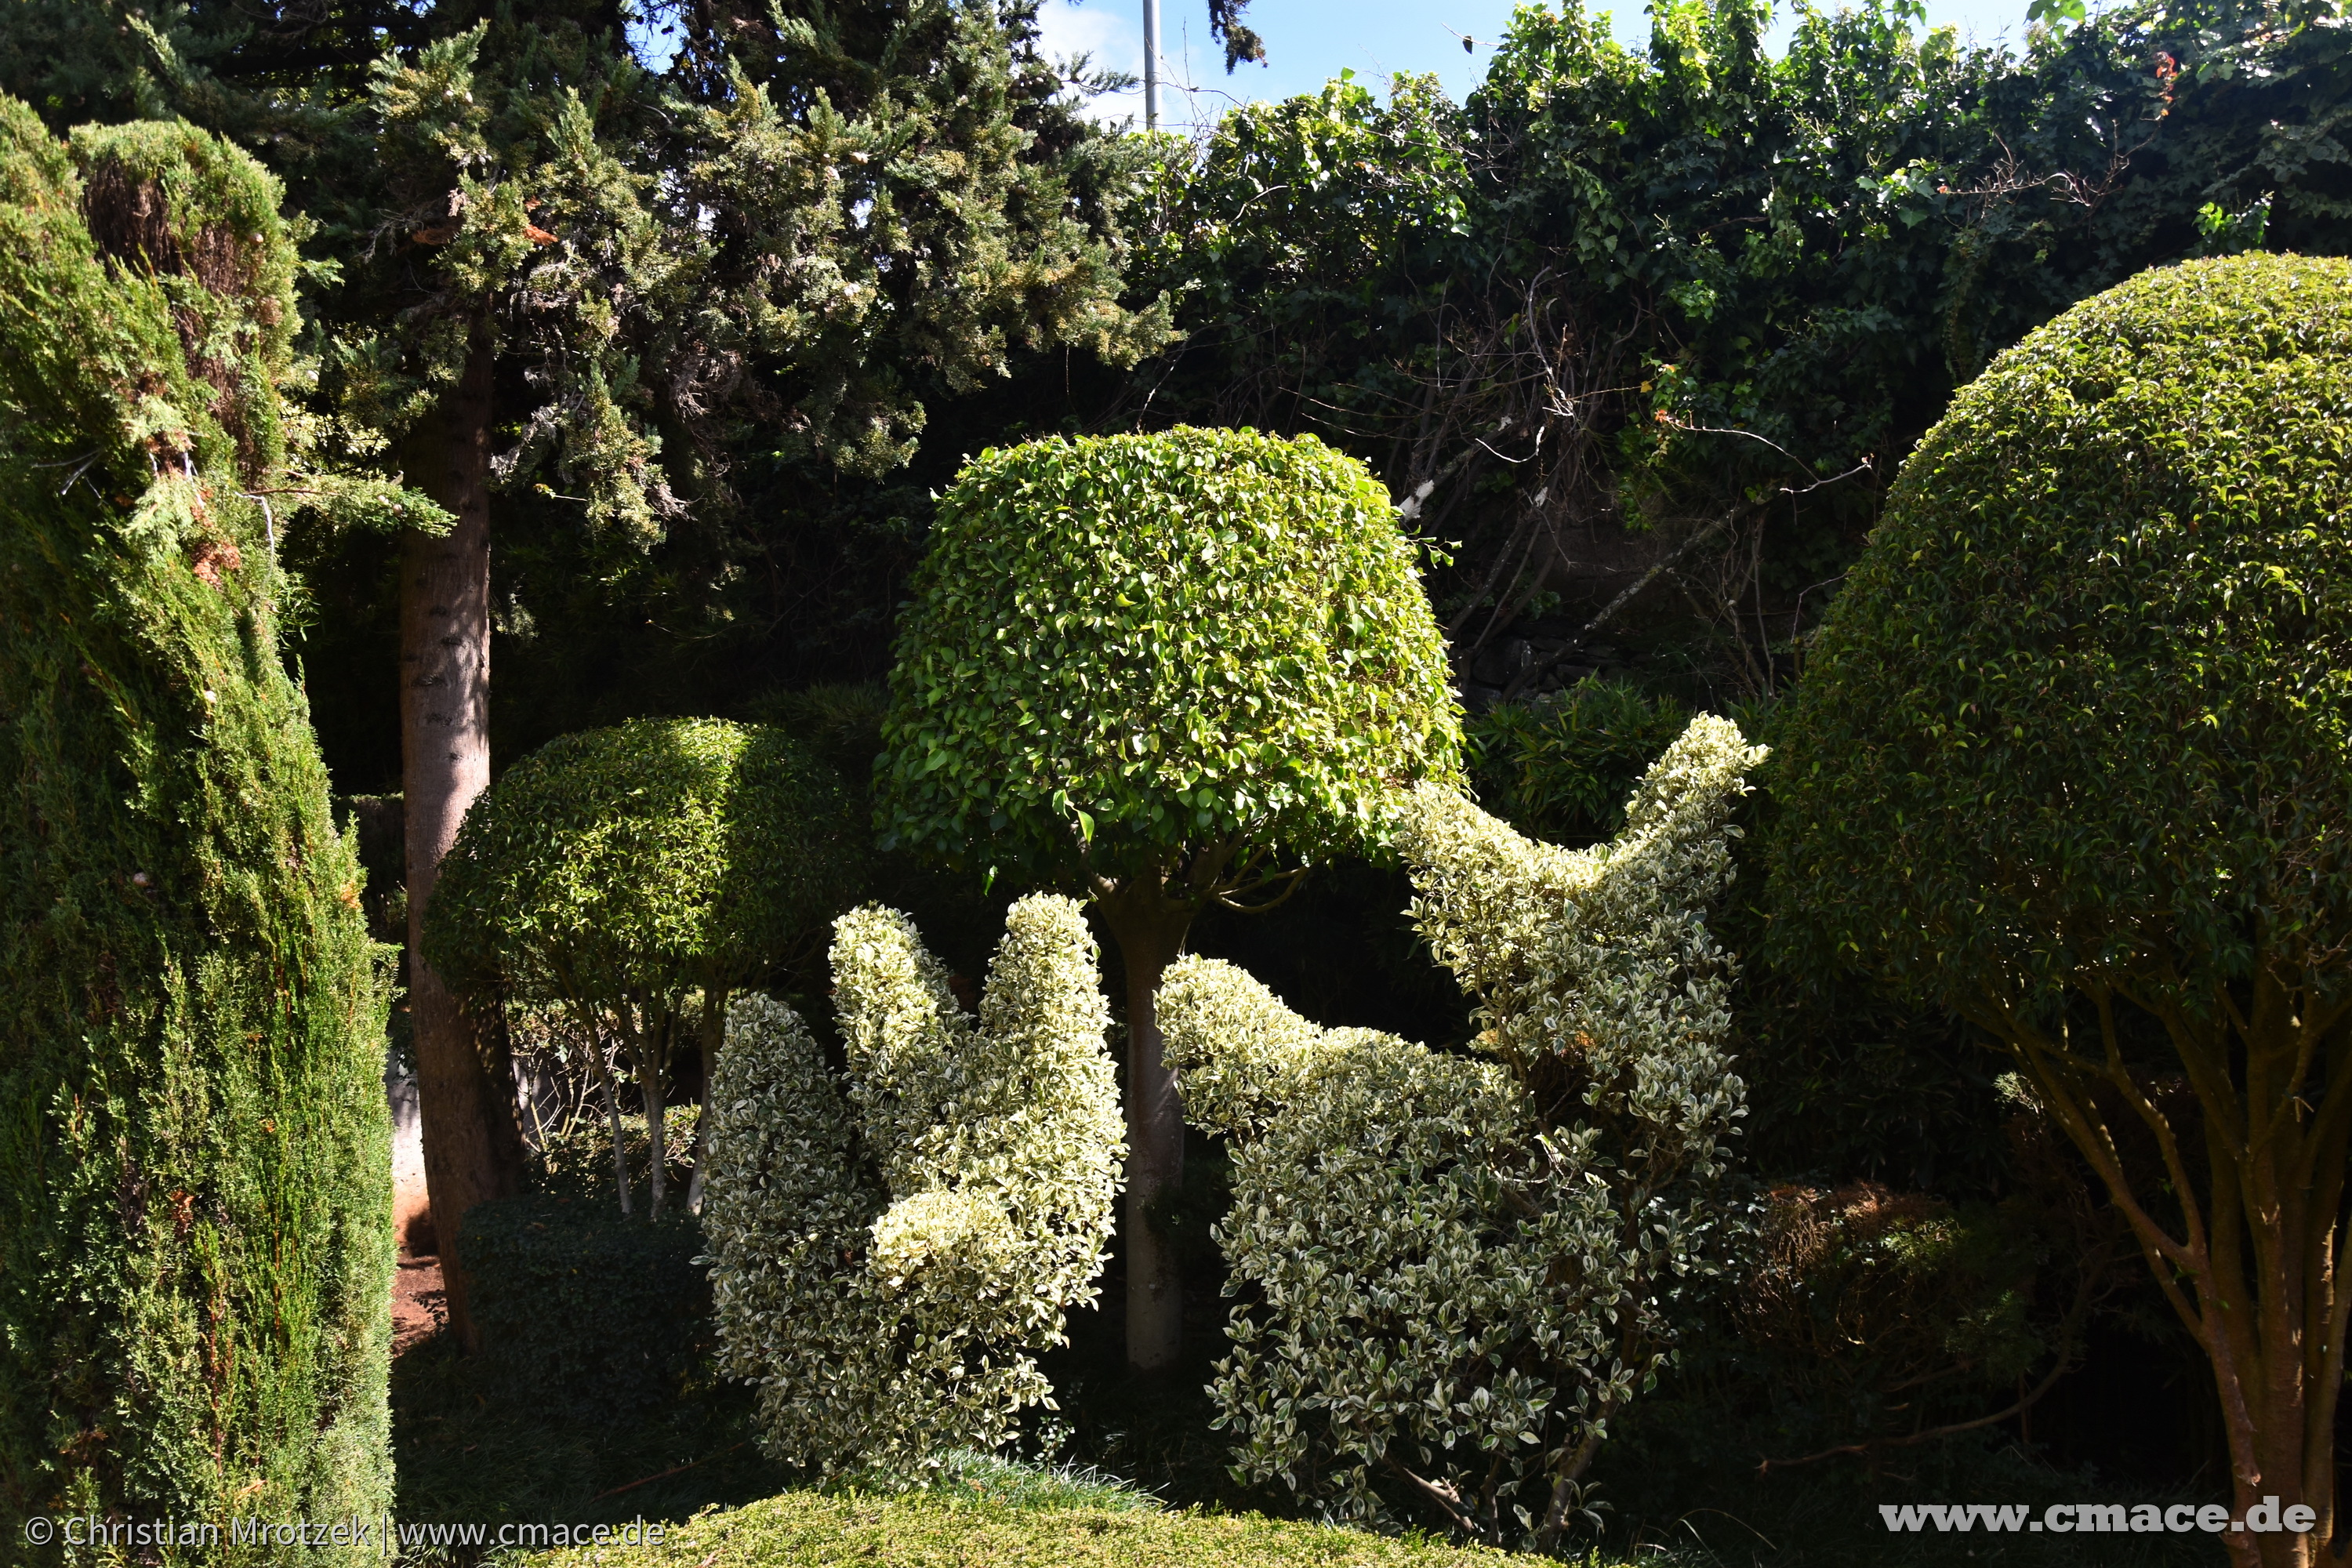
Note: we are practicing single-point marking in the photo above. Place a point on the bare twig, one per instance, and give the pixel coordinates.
(1535, 672)
(673, 1470)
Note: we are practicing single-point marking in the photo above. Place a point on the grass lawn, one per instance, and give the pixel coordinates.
(938, 1529)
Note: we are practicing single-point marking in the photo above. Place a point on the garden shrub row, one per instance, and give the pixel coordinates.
(583, 1311)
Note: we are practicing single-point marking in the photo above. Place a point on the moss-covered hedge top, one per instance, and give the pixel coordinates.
(659, 853)
(2088, 697)
(156, 280)
(1146, 642)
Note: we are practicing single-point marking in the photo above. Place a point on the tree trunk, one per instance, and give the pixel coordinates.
(473, 1148)
(714, 1036)
(652, 1066)
(2252, 1264)
(1149, 929)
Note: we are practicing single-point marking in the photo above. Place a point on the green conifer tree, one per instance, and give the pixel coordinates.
(195, 1240)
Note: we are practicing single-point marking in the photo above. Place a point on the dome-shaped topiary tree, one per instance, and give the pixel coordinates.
(2074, 754)
(626, 873)
(195, 1204)
(1173, 670)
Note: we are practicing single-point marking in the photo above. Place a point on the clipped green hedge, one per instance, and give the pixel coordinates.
(929, 1530)
(583, 1311)
(195, 1213)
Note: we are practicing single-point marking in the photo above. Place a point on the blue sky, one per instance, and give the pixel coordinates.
(1309, 41)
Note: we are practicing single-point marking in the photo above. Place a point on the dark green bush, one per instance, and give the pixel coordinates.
(583, 1311)
(655, 855)
(195, 1219)
(1562, 766)
(2074, 757)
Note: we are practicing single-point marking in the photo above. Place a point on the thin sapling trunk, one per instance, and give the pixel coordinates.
(714, 1036)
(1149, 929)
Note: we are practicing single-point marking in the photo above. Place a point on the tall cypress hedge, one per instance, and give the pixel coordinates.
(195, 1242)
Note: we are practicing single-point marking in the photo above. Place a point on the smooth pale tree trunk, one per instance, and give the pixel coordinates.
(473, 1146)
(620, 1148)
(647, 1032)
(713, 1033)
(1150, 928)
(653, 1066)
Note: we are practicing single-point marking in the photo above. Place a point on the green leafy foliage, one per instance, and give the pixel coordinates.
(1125, 646)
(646, 860)
(922, 226)
(1456, 1271)
(507, 166)
(194, 1170)
(1561, 767)
(2084, 704)
(2072, 755)
(1626, 290)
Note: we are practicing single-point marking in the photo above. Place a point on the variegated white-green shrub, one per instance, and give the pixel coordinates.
(1456, 1269)
(891, 1244)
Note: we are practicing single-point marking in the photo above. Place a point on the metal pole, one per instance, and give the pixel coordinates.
(1151, 65)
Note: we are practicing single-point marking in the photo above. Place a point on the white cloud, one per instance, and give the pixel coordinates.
(1110, 34)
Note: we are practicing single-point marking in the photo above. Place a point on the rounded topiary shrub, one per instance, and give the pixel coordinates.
(638, 875)
(2074, 756)
(2091, 684)
(1123, 647)
(639, 856)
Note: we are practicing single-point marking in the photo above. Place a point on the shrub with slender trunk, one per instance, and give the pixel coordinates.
(636, 878)
(2074, 757)
(1172, 670)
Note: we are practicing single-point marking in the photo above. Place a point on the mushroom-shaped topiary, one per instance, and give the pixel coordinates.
(1173, 669)
(622, 873)
(2074, 754)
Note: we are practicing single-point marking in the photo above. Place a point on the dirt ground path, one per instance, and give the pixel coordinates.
(418, 1309)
